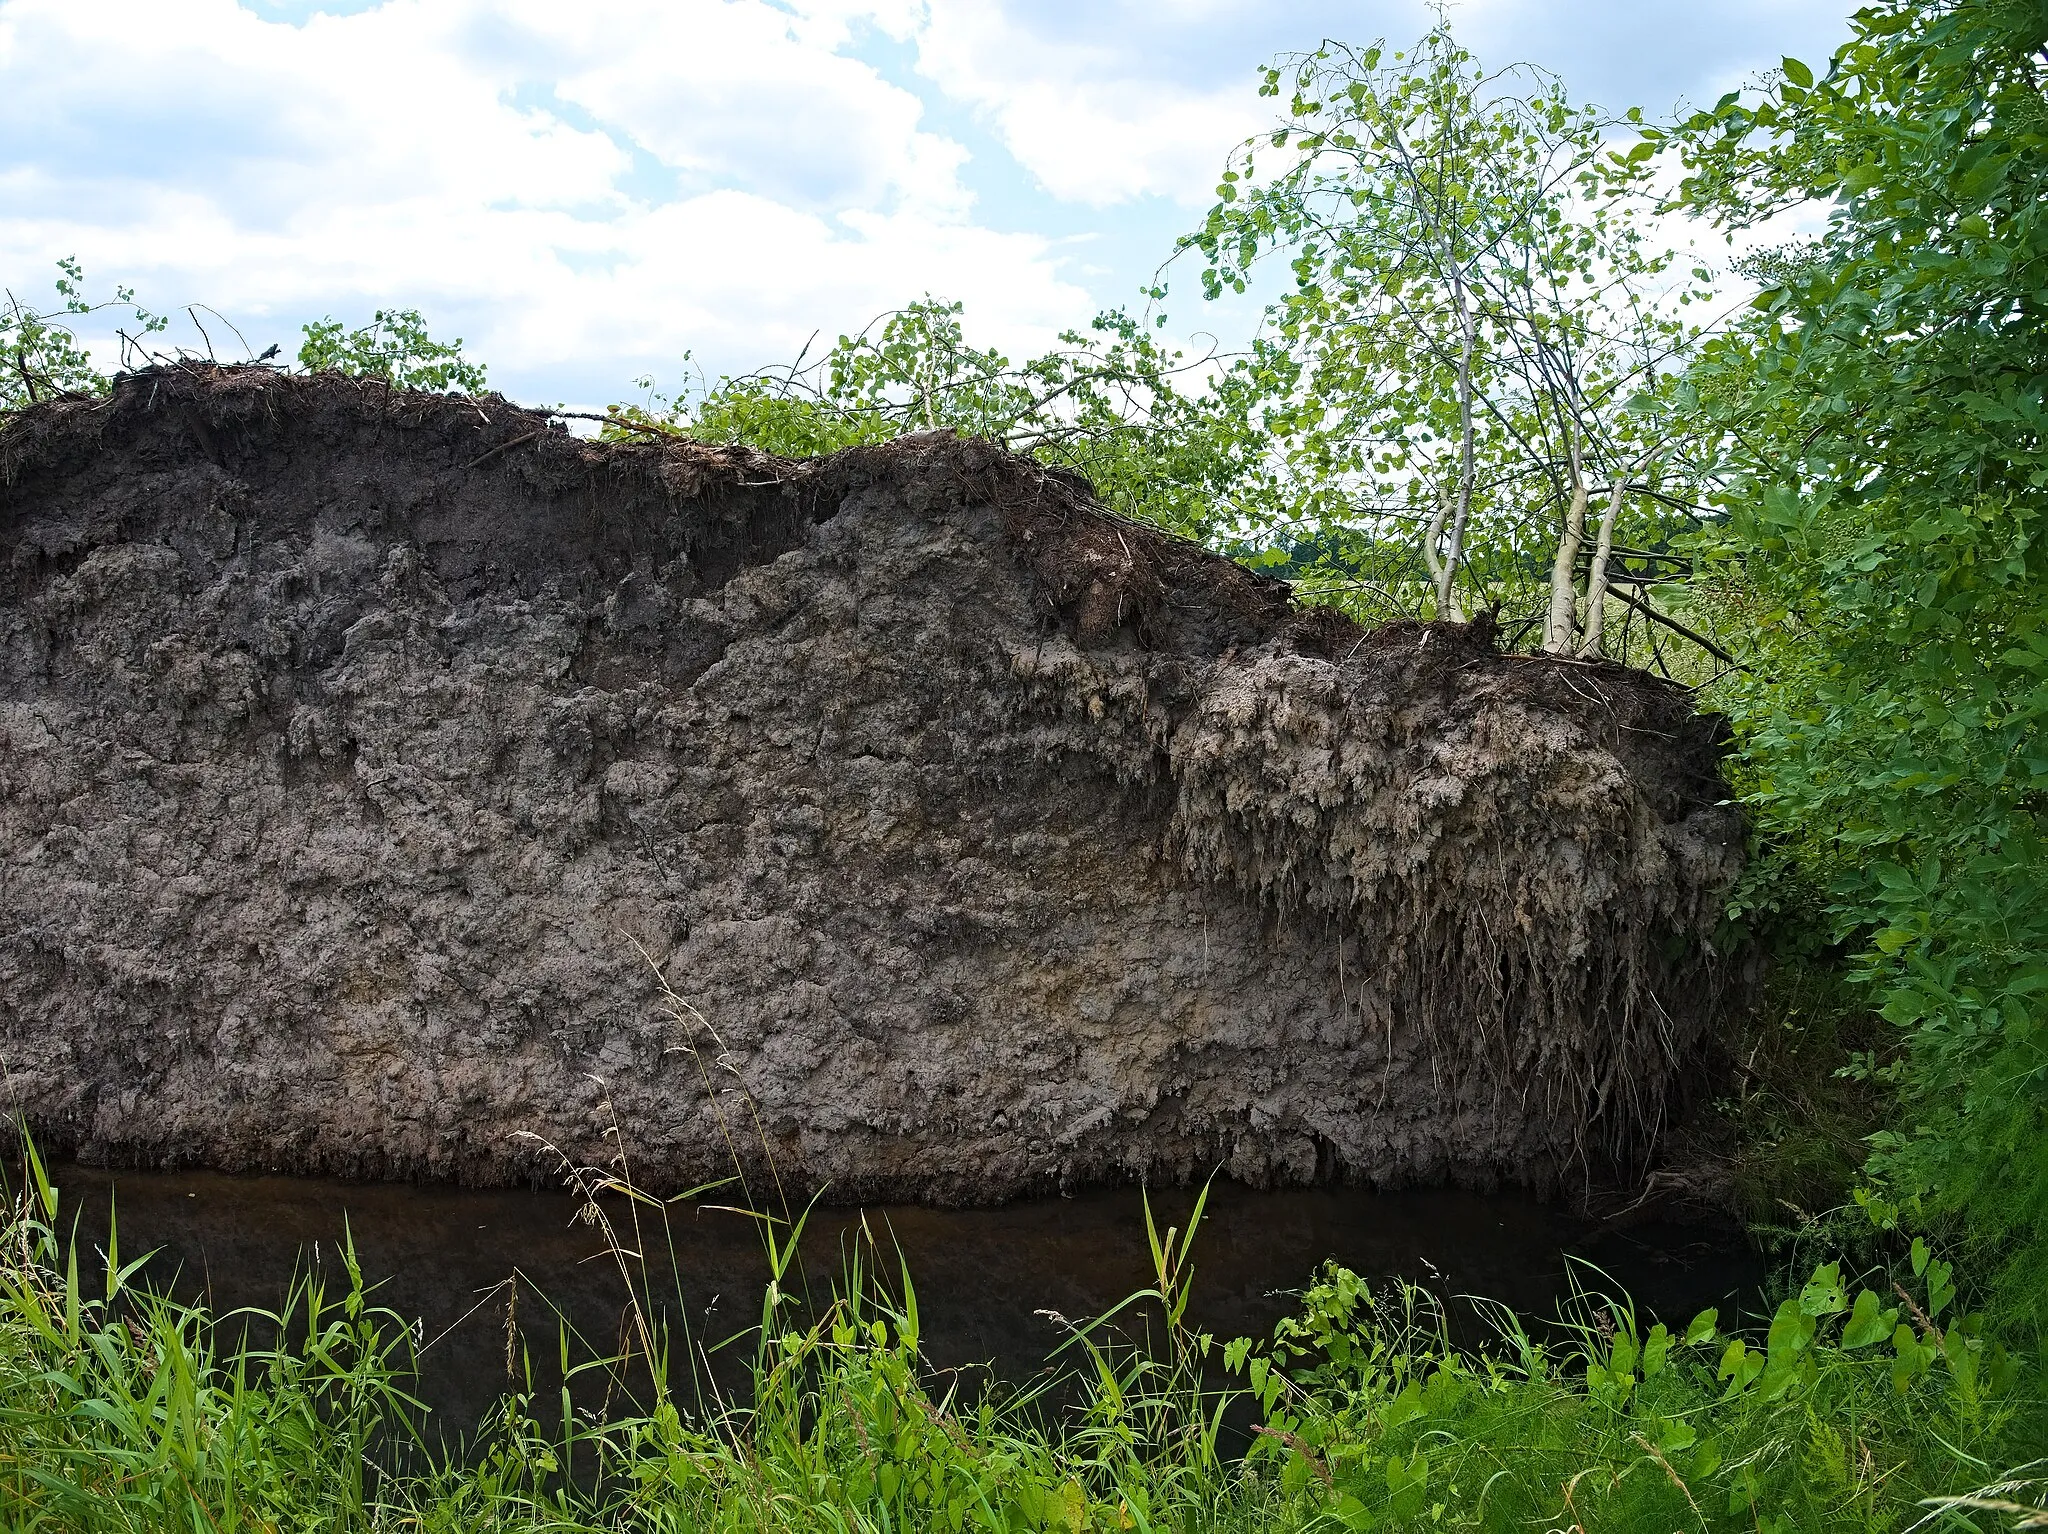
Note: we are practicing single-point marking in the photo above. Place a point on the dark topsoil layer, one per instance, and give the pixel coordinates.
(388, 779)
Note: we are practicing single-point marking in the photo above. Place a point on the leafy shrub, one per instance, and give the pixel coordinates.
(1842, 1416)
(395, 347)
(1882, 411)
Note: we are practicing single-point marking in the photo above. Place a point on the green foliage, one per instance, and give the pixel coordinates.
(1843, 1415)
(120, 1410)
(40, 353)
(1881, 409)
(395, 347)
(125, 1411)
(1476, 311)
(1108, 404)
(1812, 1068)
(1478, 331)
(1476, 319)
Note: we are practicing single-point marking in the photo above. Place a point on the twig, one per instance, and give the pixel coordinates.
(613, 420)
(490, 453)
(194, 318)
(1676, 627)
(247, 349)
(1294, 1442)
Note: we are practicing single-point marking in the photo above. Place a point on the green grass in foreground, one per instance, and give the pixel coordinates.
(121, 1410)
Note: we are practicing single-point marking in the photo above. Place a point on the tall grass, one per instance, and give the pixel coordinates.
(121, 1409)
(1843, 1414)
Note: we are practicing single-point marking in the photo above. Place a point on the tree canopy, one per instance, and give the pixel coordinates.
(1478, 316)
(1880, 417)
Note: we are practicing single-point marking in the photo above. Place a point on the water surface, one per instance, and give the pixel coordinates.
(986, 1279)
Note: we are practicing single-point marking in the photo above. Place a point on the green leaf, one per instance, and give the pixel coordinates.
(1656, 1350)
(1867, 1324)
(1791, 1333)
(1675, 1436)
(1940, 1289)
(1823, 1294)
(1407, 1485)
(1739, 1366)
(1404, 1408)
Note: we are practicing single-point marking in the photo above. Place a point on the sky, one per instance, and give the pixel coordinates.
(589, 192)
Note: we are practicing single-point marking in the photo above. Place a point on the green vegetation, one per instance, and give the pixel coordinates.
(1821, 510)
(40, 354)
(395, 347)
(1109, 404)
(1887, 476)
(1483, 384)
(120, 1410)
(1795, 1125)
(1477, 322)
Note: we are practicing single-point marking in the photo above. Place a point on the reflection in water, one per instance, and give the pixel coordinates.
(984, 1277)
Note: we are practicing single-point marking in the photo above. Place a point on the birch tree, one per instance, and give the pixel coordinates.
(1476, 311)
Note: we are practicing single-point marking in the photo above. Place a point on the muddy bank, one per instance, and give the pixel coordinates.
(368, 760)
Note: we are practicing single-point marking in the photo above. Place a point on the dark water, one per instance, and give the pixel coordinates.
(983, 1277)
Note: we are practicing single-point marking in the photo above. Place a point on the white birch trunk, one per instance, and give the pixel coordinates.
(1433, 560)
(1596, 580)
(1560, 630)
(1446, 600)
(1603, 551)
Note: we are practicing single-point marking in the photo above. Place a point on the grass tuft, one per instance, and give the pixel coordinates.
(1856, 1406)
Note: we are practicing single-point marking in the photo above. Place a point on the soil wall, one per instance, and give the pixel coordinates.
(372, 765)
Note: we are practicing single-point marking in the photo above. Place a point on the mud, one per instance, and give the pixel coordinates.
(371, 762)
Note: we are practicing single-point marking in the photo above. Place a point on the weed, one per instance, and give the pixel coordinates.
(123, 1410)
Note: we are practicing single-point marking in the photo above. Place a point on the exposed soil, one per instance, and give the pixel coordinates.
(368, 758)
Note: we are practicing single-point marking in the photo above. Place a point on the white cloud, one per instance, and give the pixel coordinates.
(743, 91)
(1623, 53)
(1107, 100)
(1087, 118)
(582, 192)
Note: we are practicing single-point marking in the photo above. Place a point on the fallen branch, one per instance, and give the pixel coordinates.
(1676, 627)
(490, 453)
(614, 420)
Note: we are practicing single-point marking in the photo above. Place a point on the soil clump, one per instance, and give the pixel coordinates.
(370, 760)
